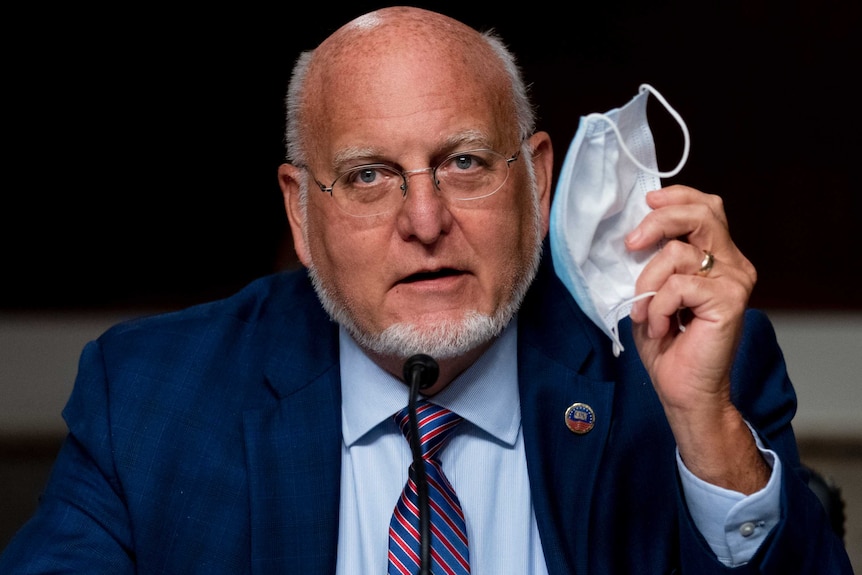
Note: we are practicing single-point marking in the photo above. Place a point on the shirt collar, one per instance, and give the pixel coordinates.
(486, 394)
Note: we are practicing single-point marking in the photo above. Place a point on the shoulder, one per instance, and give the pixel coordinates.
(226, 340)
(210, 359)
(261, 305)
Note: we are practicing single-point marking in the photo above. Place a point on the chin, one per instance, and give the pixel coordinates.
(440, 339)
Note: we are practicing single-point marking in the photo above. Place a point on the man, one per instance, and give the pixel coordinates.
(254, 435)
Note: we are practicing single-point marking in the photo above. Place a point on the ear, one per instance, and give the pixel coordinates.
(543, 165)
(288, 179)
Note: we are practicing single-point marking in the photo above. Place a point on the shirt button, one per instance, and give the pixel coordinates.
(746, 529)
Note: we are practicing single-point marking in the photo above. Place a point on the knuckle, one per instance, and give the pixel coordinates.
(676, 249)
(716, 203)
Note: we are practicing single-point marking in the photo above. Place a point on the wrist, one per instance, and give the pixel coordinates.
(720, 449)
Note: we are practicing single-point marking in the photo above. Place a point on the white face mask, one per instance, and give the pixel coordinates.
(600, 197)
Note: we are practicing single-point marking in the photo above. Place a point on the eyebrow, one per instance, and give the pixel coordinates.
(466, 140)
(357, 155)
(354, 155)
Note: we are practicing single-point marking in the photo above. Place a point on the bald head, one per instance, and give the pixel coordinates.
(397, 27)
(382, 57)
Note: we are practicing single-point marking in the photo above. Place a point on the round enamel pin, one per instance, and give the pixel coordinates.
(580, 418)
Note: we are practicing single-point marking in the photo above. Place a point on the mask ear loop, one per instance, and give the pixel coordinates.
(617, 313)
(620, 310)
(686, 138)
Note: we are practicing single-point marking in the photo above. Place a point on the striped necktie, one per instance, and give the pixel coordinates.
(448, 532)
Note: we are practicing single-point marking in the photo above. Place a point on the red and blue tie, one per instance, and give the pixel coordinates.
(449, 554)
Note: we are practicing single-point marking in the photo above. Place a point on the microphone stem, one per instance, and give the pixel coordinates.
(421, 479)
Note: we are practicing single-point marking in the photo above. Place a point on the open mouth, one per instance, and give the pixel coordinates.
(424, 276)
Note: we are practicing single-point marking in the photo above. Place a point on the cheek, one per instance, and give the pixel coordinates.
(517, 226)
(344, 256)
(514, 246)
(333, 251)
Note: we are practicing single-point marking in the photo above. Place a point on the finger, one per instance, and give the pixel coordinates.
(685, 258)
(679, 194)
(693, 222)
(682, 298)
(675, 258)
(676, 263)
(682, 212)
(706, 264)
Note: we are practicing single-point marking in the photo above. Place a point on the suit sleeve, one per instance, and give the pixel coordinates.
(81, 524)
(803, 541)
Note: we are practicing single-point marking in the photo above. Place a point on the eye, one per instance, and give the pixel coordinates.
(469, 162)
(367, 176)
(463, 161)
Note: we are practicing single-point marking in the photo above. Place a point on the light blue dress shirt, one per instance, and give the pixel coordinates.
(486, 464)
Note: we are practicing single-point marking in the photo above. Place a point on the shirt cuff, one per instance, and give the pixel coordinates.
(733, 524)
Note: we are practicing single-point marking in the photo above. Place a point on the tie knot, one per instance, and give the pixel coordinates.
(436, 424)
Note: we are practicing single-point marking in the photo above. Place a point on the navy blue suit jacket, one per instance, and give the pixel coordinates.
(209, 441)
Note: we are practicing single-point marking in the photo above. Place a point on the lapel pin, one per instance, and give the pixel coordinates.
(580, 418)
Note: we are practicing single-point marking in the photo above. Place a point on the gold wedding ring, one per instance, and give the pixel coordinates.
(706, 264)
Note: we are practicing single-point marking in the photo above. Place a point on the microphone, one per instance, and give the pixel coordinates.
(420, 372)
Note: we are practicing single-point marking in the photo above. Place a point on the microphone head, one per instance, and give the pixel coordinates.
(423, 366)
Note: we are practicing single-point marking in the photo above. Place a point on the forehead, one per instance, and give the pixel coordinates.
(418, 91)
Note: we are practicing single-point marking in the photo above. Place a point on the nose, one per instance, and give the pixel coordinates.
(410, 173)
(424, 214)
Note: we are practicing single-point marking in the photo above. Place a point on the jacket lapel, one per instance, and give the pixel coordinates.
(560, 363)
(293, 447)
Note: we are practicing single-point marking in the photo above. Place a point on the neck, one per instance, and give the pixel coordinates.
(449, 368)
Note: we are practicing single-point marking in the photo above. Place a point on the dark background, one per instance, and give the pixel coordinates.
(141, 145)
